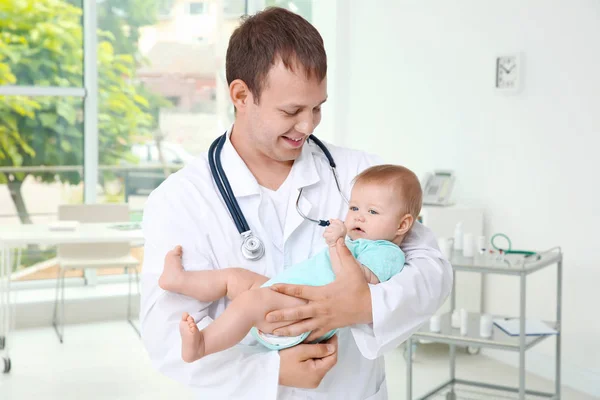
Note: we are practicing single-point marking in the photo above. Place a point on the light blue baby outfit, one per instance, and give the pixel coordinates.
(383, 258)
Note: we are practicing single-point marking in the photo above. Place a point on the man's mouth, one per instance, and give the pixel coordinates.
(294, 142)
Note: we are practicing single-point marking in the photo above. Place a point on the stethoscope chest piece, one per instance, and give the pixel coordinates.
(252, 247)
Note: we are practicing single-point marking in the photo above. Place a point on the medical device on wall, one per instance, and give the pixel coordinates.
(252, 247)
(437, 188)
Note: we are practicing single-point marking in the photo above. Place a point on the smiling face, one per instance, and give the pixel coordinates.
(374, 212)
(287, 112)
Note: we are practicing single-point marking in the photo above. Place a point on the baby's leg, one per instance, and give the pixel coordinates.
(246, 311)
(206, 285)
(192, 340)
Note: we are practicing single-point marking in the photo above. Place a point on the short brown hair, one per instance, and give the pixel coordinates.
(270, 34)
(400, 178)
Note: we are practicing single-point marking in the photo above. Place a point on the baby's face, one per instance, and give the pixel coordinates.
(374, 212)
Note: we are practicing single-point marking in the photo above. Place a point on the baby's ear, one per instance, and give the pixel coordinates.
(405, 224)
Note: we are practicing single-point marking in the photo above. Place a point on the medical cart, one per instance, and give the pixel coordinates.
(515, 265)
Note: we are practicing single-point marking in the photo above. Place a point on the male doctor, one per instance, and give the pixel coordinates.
(276, 70)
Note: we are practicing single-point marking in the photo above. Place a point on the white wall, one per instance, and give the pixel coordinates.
(420, 92)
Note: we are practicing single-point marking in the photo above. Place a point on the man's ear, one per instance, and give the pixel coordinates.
(240, 94)
(405, 224)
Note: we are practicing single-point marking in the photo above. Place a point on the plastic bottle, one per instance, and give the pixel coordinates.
(458, 237)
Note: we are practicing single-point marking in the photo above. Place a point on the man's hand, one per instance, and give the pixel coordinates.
(334, 231)
(305, 365)
(346, 301)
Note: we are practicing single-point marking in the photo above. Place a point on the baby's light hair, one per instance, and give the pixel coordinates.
(403, 181)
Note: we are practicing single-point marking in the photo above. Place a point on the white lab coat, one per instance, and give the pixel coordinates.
(187, 209)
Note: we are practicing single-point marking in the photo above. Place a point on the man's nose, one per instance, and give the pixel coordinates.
(306, 125)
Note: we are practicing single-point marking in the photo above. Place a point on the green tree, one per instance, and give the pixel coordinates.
(41, 44)
(123, 19)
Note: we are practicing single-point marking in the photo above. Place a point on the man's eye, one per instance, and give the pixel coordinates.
(317, 110)
(291, 113)
(373, 212)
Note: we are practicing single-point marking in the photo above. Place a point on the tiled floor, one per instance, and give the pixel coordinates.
(107, 361)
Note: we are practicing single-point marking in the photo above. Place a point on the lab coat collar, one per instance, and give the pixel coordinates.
(304, 171)
(242, 182)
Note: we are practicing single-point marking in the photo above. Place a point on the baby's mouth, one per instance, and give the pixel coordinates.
(357, 229)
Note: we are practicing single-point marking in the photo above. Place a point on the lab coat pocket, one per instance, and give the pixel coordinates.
(381, 392)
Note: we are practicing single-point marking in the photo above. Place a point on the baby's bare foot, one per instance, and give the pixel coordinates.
(173, 273)
(192, 340)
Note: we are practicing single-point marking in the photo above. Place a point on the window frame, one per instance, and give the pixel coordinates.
(191, 4)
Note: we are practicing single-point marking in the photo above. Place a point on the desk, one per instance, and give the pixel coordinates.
(15, 236)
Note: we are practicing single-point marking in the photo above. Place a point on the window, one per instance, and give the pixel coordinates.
(165, 9)
(161, 101)
(302, 7)
(162, 105)
(43, 46)
(234, 8)
(41, 118)
(41, 167)
(196, 8)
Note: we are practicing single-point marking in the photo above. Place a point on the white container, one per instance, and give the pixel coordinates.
(445, 246)
(481, 245)
(486, 326)
(468, 245)
(458, 236)
(455, 322)
(435, 324)
(464, 322)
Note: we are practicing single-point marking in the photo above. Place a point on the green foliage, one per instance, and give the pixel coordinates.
(41, 43)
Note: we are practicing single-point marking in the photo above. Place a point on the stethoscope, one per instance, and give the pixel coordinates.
(252, 247)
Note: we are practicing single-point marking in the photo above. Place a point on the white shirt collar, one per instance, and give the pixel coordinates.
(304, 171)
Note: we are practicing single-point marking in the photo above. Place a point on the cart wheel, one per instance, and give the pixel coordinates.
(472, 350)
(6, 365)
(414, 352)
(2, 342)
(451, 396)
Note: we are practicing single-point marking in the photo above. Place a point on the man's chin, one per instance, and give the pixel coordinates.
(288, 155)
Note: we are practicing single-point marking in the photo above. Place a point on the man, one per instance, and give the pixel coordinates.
(276, 70)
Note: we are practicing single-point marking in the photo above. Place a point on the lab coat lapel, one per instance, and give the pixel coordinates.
(271, 223)
(242, 182)
(304, 174)
(259, 213)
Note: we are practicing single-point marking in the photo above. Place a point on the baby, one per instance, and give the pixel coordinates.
(384, 203)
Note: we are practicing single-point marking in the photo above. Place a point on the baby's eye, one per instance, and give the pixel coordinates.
(353, 208)
(373, 212)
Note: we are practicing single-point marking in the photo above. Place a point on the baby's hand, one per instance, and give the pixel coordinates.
(334, 231)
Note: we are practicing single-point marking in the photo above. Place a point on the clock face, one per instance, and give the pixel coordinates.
(507, 72)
